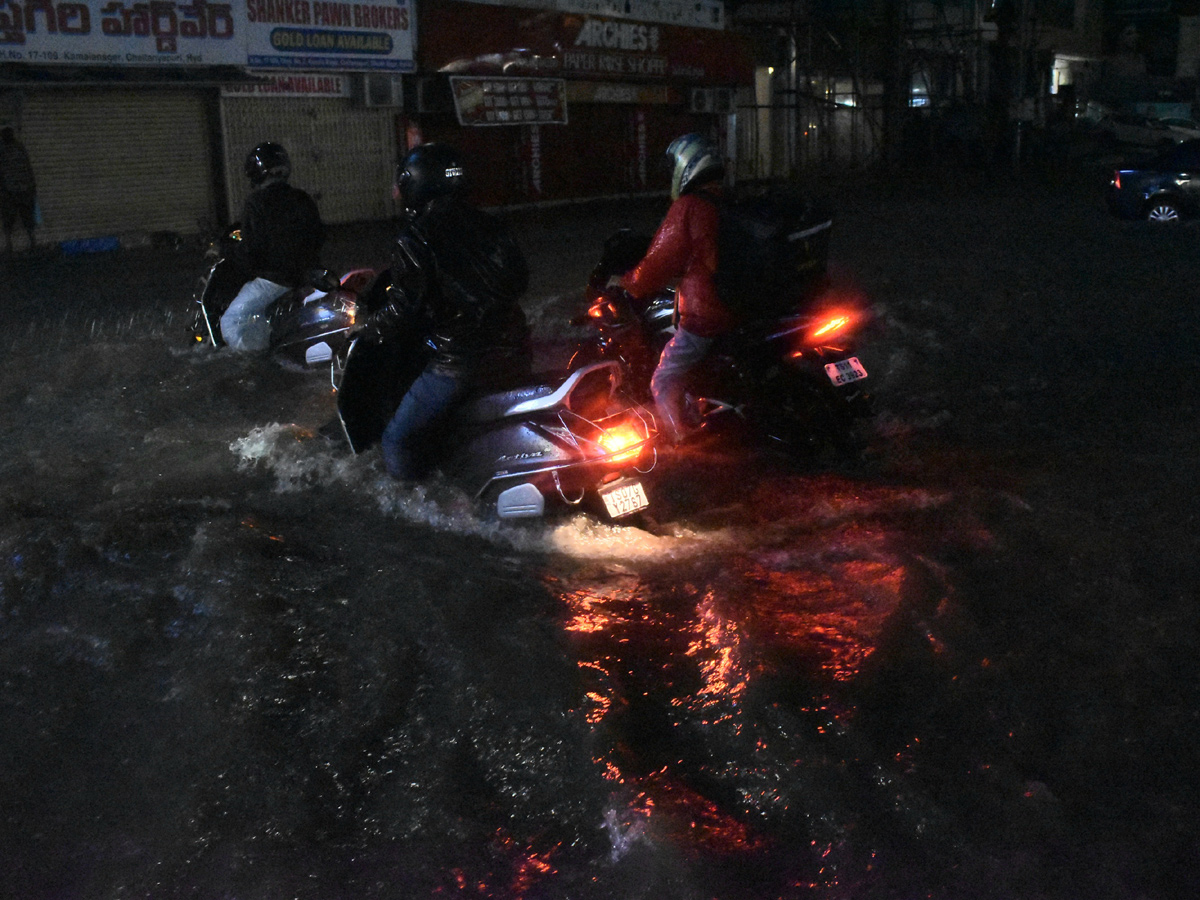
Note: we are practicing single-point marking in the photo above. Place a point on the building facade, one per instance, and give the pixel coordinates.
(554, 103)
(138, 116)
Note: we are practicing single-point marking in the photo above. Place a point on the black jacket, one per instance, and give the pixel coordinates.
(282, 233)
(457, 275)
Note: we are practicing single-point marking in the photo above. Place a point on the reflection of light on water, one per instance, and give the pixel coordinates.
(835, 615)
(529, 866)
(685, 817)
(526, 869)
(593, 613)
(811, 608)
(599, 702)
(716, 649)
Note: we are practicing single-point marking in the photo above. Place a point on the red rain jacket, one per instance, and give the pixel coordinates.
(684, 250)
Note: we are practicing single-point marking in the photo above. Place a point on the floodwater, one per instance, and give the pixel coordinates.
(238, 662)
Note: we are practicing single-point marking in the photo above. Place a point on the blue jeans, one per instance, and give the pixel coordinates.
(244, 325)
(428, 401)
(682, 354)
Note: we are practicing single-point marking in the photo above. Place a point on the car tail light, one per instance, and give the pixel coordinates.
(1117, 180)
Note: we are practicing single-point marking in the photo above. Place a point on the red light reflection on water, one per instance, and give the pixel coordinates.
(834, 616)
(593, 613)
(686, 817)
(527, 869)
(808, 610)
(716, 648)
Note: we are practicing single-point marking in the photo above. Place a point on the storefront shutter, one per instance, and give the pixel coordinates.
(343, 154)
(119, 162)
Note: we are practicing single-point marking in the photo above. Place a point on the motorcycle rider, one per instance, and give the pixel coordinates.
(684, 250)
(457, 275)
(282, 236)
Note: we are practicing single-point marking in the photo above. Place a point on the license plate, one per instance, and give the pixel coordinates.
(845, 371)
(624, 497)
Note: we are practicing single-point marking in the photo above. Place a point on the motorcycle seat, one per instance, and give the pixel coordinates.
(491, 405)
(566, 391)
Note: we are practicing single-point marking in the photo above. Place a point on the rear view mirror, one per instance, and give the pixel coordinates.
(322, 279)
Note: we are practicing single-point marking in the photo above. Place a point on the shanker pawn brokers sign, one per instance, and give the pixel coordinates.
(310, 34)
(281, 34)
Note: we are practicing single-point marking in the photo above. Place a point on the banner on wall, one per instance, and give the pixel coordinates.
(294, 84)
(509, 101)
(695, 13)
(103, 32)
(354, 37)
(296, 34)
(578, 47)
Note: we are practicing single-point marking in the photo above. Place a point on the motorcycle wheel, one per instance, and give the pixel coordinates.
(809, 418)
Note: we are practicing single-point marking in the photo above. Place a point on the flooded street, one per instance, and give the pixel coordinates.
(238, 663)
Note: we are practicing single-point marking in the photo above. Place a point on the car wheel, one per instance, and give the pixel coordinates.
(1163, 211)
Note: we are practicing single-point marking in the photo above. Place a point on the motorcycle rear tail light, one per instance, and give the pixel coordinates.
(604, 309)
(623, 442)
(830, 326)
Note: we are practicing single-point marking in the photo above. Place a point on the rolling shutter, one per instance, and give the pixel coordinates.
(120, 162)
(343, 154)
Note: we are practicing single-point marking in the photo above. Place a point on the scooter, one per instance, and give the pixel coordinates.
(570, 440)
(791, 374)
(310, 324)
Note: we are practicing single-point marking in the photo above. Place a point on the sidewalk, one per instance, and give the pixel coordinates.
(561, 242)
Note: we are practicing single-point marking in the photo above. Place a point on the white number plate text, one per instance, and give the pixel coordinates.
(623, 498)
(845, 371)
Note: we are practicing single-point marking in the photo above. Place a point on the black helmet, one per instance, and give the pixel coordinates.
(429, 171)
(268, 160)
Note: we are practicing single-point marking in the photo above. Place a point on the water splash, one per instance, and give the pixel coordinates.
(300, 460)
(623, 837)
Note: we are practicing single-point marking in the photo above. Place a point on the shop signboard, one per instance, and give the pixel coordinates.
(621, 92)
(348, 37)
(509, 101)
(270, 34)
(694, 13)
(589, 47)
(293, 84)
(104, 32)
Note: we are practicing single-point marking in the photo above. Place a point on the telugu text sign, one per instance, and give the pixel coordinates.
(273, 34)
(109, 32)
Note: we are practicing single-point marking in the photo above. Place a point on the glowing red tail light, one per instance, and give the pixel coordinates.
(830, 326)
(622, 442)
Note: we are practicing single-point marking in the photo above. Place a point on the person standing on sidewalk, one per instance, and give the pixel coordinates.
(18, 188)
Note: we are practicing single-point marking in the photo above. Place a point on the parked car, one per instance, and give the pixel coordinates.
(1163, 189)
(1187, 129)
(1136, 130)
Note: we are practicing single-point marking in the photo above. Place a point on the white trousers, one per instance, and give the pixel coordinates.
(244, 325)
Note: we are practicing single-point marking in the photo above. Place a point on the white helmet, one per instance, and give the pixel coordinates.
(697, 160)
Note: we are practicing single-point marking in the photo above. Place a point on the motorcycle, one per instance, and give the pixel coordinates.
(568, 440)
(310, 324)
(790, 372)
